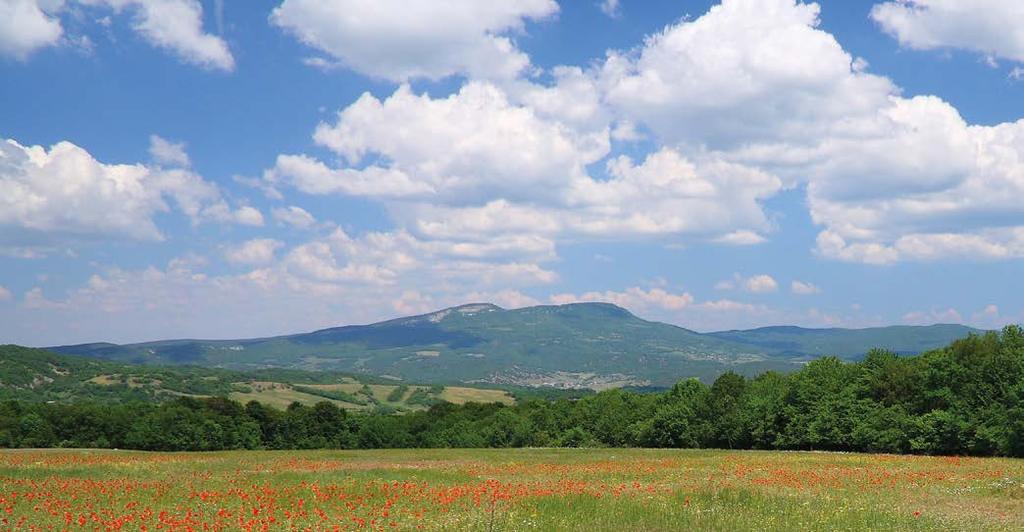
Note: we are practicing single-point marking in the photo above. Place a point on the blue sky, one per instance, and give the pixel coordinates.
(229, 169)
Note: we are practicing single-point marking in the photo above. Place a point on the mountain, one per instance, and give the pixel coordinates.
(849, 343)
(591, 345)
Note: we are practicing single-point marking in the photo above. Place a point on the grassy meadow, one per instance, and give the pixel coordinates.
(367, 396)
(526, 489)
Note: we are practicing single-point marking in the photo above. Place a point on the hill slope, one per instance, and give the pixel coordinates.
(849, 343)
(580, 345)
(38, 375)
(593, 345)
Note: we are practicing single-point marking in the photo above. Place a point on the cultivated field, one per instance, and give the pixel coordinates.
(282, 394)
(536, 489)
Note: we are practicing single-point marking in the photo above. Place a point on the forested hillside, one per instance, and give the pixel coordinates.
(37, 375)
(849, 343)
(580, 345)
(966, 398)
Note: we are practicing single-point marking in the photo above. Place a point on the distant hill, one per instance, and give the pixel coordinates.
(592, 345)
(583, 345)
(849, 343)
(39, 375)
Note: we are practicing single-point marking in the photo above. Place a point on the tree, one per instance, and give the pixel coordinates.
(762, 410)
(681, 421)
(507, 429)
(35, 431)
(724, 401)
(819, 406)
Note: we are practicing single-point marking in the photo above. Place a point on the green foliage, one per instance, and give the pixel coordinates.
(423, 397)
(398, 393)
(967, 398)
(337, 395)
(28, 374)
(38, 375)
(849, 343)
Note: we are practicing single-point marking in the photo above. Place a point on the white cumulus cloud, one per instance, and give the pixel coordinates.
(176, 26)
(991, 27)
(757, 284)
(294, 216)
(479, 164)
(761, 284)
(403, 39)
(65, 194)
(166, 152)
(253, 252)
(747, 72)
(247, 215)
(802, 288)
(473, 142)
(332, 280)
(889, 178)
(610, 8)
(27, 26)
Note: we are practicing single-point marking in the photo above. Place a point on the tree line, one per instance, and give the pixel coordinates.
(964, 399)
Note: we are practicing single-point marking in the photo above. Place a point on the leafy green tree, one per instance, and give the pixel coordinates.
(967, 398)
(819, 406)
(762, 410)
(508, 429)
(724, 401)
(35, 431)
(940, 432)
(881, 429)
(382, 432)
(681, 420)
(610, 416)
(577, 437)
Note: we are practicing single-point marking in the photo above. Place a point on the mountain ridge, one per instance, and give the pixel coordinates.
(849, 343)
(573, 345)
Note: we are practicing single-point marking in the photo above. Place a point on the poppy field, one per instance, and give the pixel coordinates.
(526, 489)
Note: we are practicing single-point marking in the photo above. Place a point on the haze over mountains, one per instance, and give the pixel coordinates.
(594, 345)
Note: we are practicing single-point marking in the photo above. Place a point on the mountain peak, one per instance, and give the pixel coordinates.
(584, 308)
(575, 344)
(468, 309)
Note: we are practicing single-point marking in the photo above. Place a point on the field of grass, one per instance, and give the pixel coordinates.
(531, 489)
(460, 395)
(280, 395)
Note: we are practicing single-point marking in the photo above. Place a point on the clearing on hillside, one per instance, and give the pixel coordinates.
(358, 396)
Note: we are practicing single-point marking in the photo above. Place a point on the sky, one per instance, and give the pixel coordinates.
(212, 169)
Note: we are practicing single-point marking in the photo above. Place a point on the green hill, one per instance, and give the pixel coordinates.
(584, 345)
(849, 343)
(581, 345)
(41, 376)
